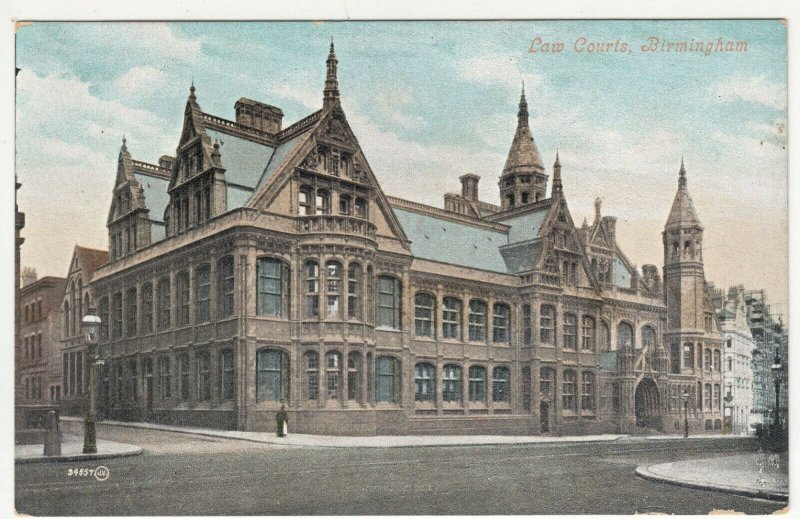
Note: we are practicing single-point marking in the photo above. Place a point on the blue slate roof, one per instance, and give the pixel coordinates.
(526, 226)
(446, 241)
(521, 256)
(237, 197)
(156, 197)
(244, 161)
(281, 152)
(622, 276)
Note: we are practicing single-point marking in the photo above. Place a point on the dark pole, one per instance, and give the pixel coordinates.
(777, 423)
(685, 417)
(89, 436)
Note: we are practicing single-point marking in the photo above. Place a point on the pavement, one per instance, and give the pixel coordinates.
(320, 441)
(72, 450)
(762, 475)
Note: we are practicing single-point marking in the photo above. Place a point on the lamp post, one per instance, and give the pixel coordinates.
(685, 414)
(91, 328)
(777, 377)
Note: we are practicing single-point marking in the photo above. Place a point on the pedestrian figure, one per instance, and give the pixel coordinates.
(281, 419)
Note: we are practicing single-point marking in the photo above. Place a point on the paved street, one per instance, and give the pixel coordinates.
(181, 474)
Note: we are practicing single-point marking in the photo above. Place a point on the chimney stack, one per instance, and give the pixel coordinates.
(469, 186)
(259, 116)
(28, 276)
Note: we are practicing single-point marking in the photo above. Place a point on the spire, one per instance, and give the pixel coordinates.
(682, 213)
(522, 114)
(682, 176)
(192, 97)
(557, 186)
(523, 155)
(331, 92)
(124, 145)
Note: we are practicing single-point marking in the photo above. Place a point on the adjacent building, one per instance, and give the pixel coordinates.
(263, 264)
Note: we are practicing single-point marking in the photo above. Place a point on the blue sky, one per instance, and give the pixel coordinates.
(430, 101)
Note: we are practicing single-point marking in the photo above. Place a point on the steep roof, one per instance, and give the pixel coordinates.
(91, 259)
(682, 213)
(524, 155)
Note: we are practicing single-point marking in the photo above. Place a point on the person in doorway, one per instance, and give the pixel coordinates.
(282, 421)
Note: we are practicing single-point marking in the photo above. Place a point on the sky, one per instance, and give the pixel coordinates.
(428, 102)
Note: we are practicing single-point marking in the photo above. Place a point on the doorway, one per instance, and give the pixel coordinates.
(544, 417)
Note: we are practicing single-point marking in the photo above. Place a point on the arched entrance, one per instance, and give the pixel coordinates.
(646, 404)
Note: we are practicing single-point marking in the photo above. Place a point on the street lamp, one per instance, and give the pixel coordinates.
(685, 414)
(91, 328)
(777, 376)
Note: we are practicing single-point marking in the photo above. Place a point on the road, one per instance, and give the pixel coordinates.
(182, 474)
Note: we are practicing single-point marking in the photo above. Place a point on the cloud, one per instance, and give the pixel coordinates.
(138, 82)
(757, 90)
(496, 69)
(151, 42)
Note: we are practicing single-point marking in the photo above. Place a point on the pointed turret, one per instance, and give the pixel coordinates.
(682, 214)
(558, 188)
(331, 92)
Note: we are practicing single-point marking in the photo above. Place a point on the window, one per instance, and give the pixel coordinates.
(451, 318)
(39, 345)
(130, 312)
(477, 320)
(311, 362)
(362, 210)
(202, 296)
(344, 204)
(272, 375)
(707, 365)
(570, 331)
(547, 380)
(185, 375)
(587, 333)
(333, 288)
(119, 382)
(526, 388)
(311, 269)
(500, 322)
(147, 308)
(717, 361)
(203, 363)
(333, 374)
(688, 355)
(716, 397)
(527, 325)
(323, 202)
(226, 286)
(587, 391)
(182, 281)
(27, 348)
(547, 320)
(500, 384)
(624, 336)
(66, 319)
(354, 291)
(164, 378)
(227, 389)
(388, 302)
(604, 339)
(451, 383)
(648, 337)
(387, 379)
(164, 304)
(707, 397)
(305, 206)
(424, 382)
(116, 323)
(568, 391)
(272, 290)
(354, 376)
(730, 364)
(477, 384)
(424, 305)
(133, 381)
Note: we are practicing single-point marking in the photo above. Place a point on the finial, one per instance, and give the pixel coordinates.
(523, 88)
(124, 144)
(597, 203)
(682, 175)
(558, 162)
(191, 91)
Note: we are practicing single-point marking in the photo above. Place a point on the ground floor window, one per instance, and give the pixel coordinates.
(424, 382)
(387, 379)
(272, 375)
(500, 384)
(227, 389)
(477, 384)
(451, 383)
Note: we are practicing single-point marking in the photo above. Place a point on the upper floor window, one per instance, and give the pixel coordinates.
(164, 308)
(345, 204)
(273, 287)
(311, 270)
(648, 337)
(624, 336)
(354, 291)
(688, 355)
(424, 382)
(103, 314)
(147, 308)
(182, 282)
(547, 319)
(500, 323)
(604, 337)
(717, 360)
(388, 302)
(451, 318)
(362, 208)
(305, 204)
(226, 286)
(501, 384)
(707, 360)
(202, 293)
(424, 305)
(333, 289)
(323, 202)
(587, 333)
(570, 331)
(477, 320)
(116, 317)
(527, 325)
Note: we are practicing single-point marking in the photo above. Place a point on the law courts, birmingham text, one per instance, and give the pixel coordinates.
(653, 45)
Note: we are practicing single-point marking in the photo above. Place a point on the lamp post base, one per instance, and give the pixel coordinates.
(89, 438)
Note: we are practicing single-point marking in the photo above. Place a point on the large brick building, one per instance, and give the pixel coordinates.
(264, 263)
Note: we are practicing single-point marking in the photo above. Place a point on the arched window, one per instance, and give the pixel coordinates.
(323, 201)
(424, 306)
(500, 323)
(202, 293)
(344, 204)
(707, 362)
(587, 333)
(648, 337)
(587, 391)
(387, 379)
(388, 302)
(424, 382)
(305, 202)
(568, 391)
(272, 375)
(333, 375)
(604, 338)
(624, 336)
(311, 270)
(547, 320)
(688, 355)
(226, 286)
(354, 291)
(333, 289)
(362, 208)
(354, 370)
(311, 365)
(570, 331)
(547, 380)
(182, 282)
(227, 388)
(451, 318)
(477, 384)
(272, 297)
(730, 364)
(451, 383)
(501, 384)
(203, 363)
(477, 320)
(527, 325)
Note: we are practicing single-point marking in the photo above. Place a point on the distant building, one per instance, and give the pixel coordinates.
(38, 357)
(19, 224)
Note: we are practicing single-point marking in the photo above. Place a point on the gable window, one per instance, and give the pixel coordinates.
(185, 375)
(272, 375)
(311, 361)
(388, 302)
(570, 331)
(182, 281)
(587, 333)
(424, 382)
(624, 336)
(323, 202)
(147, 308)
(500, 384)
(164, 310)
(477, 320)
(451, 318)
(568, 391)
(273, 283)
(333, 374)
(500, 318)
(424, 305)
(587, 391)
(527, 325)
(333, 288)
(202, 296)
(477, 384)
(311, 269)
(227, 389)
(354, 291)
(387, 379)
(362, 208)
(451, 383)
(305, 204)
(547, 320)
(226, 286)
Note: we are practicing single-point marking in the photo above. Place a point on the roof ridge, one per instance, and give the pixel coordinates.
(410, 205)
